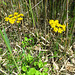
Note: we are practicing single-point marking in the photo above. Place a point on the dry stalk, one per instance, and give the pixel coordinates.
(3, 71)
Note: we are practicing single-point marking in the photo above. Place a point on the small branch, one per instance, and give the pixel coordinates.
(45, 39)
(66, 46)
(3, 72)
(34, 6)
(3, 53)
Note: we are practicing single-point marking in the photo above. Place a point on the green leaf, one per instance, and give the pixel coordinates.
(45, 69)
(4, 3)
(28, 66)
(30, 57)
(22, 42)
(55, 53)
(38, 73)
(32, 71)
(40, 64)
(6, 40)
(0, 49)
(44, 73)
(14, 5)
(35, 63)
(45, 63)
(30, 39)
(24, 68)
(53, 56)
(23, 74)
(26, 39)
(57, 45)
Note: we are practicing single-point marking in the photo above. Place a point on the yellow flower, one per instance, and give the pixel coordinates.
(52, 25)
(55, 29)
(18, 15)
(6, 18)
(58, 25)
(56, 21)
(15, 17)
(19, 18)
(64, 27)
(15, 13)
(21, 15)
(18, 21)
(51, 21)
(60, 30)
(12, 21)
(10, 15)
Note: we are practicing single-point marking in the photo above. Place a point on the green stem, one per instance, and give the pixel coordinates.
(6, 40)
(31, 12)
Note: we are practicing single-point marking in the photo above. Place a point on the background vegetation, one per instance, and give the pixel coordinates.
(32, 47)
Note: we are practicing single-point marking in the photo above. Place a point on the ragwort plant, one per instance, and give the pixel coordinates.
(57, 27)
(14, 18)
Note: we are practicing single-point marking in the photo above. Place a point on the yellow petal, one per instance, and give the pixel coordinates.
(19, 18)
(18, 21)
(51, 21)
(6, 18)
(56, 21)
(15, 13)
(10, 15)
(21, 15)
(55, 29)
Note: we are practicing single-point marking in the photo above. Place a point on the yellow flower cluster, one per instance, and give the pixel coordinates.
(57, 27)
(12, 18)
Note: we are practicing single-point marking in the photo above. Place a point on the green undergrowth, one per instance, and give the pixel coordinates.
(31, 66)
(25, 45)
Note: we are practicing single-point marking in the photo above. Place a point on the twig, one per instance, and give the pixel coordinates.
(67, 28)
(34, 7)
(6, 28)
(57, 42)
(3, 72)
(65, 62)
(3, 53)
(63, 65)
(67, 19)
(45, 39)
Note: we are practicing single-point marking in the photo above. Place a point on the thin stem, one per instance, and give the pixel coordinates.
(67, 19)
(3, 72)
(31, 12)
(67, 27)
(45, 18)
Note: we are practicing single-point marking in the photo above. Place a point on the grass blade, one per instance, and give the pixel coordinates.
(6, 40)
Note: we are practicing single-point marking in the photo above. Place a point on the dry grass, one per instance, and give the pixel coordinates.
(58, 50)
